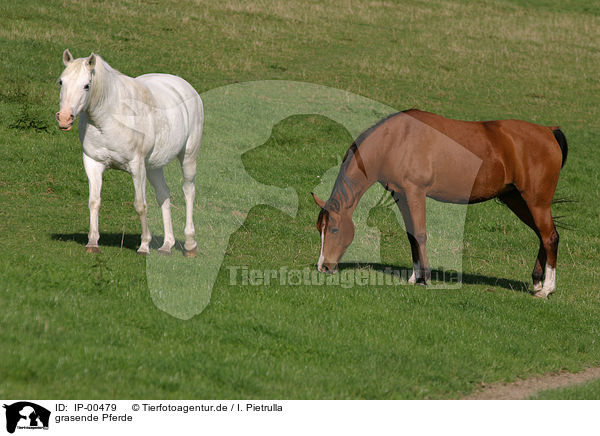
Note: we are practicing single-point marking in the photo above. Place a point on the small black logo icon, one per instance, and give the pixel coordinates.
(26, 415)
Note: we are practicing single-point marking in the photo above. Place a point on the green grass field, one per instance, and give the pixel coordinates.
(586, 391)
(74, 325)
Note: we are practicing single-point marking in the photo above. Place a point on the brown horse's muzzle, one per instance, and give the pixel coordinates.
(65, 120)
(328, 268)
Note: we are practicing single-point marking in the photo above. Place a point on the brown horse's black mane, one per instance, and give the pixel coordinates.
(359, 140)
(343, 189)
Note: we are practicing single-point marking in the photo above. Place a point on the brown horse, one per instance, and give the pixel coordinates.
(416, 154)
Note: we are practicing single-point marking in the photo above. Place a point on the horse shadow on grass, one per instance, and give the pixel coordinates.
(132, 242)
(122, 240)
(466, 278)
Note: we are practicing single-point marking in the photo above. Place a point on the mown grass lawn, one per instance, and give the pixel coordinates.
(74, 325)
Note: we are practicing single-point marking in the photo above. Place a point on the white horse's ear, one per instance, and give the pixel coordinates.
(91, 61)
(67, 57)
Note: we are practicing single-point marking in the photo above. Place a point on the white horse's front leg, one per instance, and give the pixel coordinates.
(157, 178)
(94, 171)
(138, 173)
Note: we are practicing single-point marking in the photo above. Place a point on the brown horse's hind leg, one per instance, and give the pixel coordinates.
(549, 237)
(538, 269)
(515, 202)
(539, 219)
(412, 207)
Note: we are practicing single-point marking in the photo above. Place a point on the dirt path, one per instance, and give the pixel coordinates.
(523, 389)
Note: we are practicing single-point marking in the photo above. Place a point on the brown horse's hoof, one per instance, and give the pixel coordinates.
(191, 253)
(92, 249)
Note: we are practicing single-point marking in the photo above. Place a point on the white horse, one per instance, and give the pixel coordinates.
(137, 125)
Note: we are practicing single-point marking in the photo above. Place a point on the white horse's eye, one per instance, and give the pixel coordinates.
(59, 82)
(87, 87)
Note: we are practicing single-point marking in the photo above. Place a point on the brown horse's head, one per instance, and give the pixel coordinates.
(337, 232)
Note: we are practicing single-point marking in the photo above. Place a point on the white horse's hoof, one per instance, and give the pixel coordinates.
(143, 252)
(191, 253)
(542, 294)
(92, 249)
(166, 251)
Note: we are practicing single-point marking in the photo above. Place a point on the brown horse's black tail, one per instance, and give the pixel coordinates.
(562, 143)
(564, 148)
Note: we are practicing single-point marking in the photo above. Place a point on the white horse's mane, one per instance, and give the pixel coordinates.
(103, 77)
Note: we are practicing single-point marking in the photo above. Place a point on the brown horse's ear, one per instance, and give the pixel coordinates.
(67, 57)
(319, 202)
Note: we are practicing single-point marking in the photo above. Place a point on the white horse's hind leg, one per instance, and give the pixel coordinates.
(138, 173)
(157, 178)
(94, 172)
(188, 166)
(187, 158)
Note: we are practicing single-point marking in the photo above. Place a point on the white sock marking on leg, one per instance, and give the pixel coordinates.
(550, 281)
(416, 274)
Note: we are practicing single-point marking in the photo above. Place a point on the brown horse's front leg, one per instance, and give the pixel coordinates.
(412, 207)
(414, 250)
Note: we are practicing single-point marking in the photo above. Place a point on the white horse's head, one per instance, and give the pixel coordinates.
(75, 83)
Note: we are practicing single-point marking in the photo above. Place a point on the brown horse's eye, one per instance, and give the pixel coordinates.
(334, 230)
